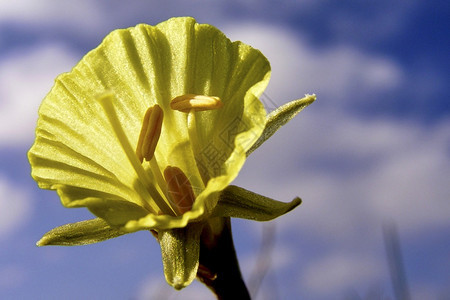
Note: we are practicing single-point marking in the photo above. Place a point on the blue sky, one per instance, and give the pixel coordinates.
(373, 149)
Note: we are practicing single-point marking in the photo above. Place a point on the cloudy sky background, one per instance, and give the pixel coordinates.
(372, 150)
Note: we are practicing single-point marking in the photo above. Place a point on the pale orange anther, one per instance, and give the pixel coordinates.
(188, 102)
(150, 132)
(180, 189)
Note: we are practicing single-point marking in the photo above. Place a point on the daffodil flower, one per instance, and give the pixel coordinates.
(148, 131)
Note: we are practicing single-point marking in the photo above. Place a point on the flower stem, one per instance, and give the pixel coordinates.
(219, 267)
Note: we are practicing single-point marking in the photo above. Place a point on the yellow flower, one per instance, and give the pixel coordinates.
(148, 131)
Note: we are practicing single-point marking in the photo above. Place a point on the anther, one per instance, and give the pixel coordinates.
(180, 189)
(150, 132)
(188, 102)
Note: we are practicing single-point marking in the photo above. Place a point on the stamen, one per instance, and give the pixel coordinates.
(180, 189)
(188, 102)
(150, 132)
(106, 102)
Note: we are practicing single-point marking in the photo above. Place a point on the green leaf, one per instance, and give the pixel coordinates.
(180, 249)
(280, 117)
(237, 202)
(80, 233)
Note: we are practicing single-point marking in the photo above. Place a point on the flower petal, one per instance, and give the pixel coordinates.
(280, 117)
(180, 250)
(237, 202)
(218, 139)
(116, 212)
(80, 233)
(77, 153)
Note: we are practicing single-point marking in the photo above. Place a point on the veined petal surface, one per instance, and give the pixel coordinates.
(77, 153)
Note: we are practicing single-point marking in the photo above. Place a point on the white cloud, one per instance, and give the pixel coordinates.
(353, 173)
(381, 165)
(84, 14)
(156, 287)
(26, 78)
(395, 171)
(14, 207)
(337, 274)
(334, 73)
(281, 255)
(93, 19)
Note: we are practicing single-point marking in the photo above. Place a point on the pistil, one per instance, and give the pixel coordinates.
(190, 104)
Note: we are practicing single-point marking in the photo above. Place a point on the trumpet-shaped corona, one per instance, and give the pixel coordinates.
(100, 146)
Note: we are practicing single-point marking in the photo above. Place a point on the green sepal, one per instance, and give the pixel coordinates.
(80, 233)
(280, 117)
(180, 250)
(237, 202)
